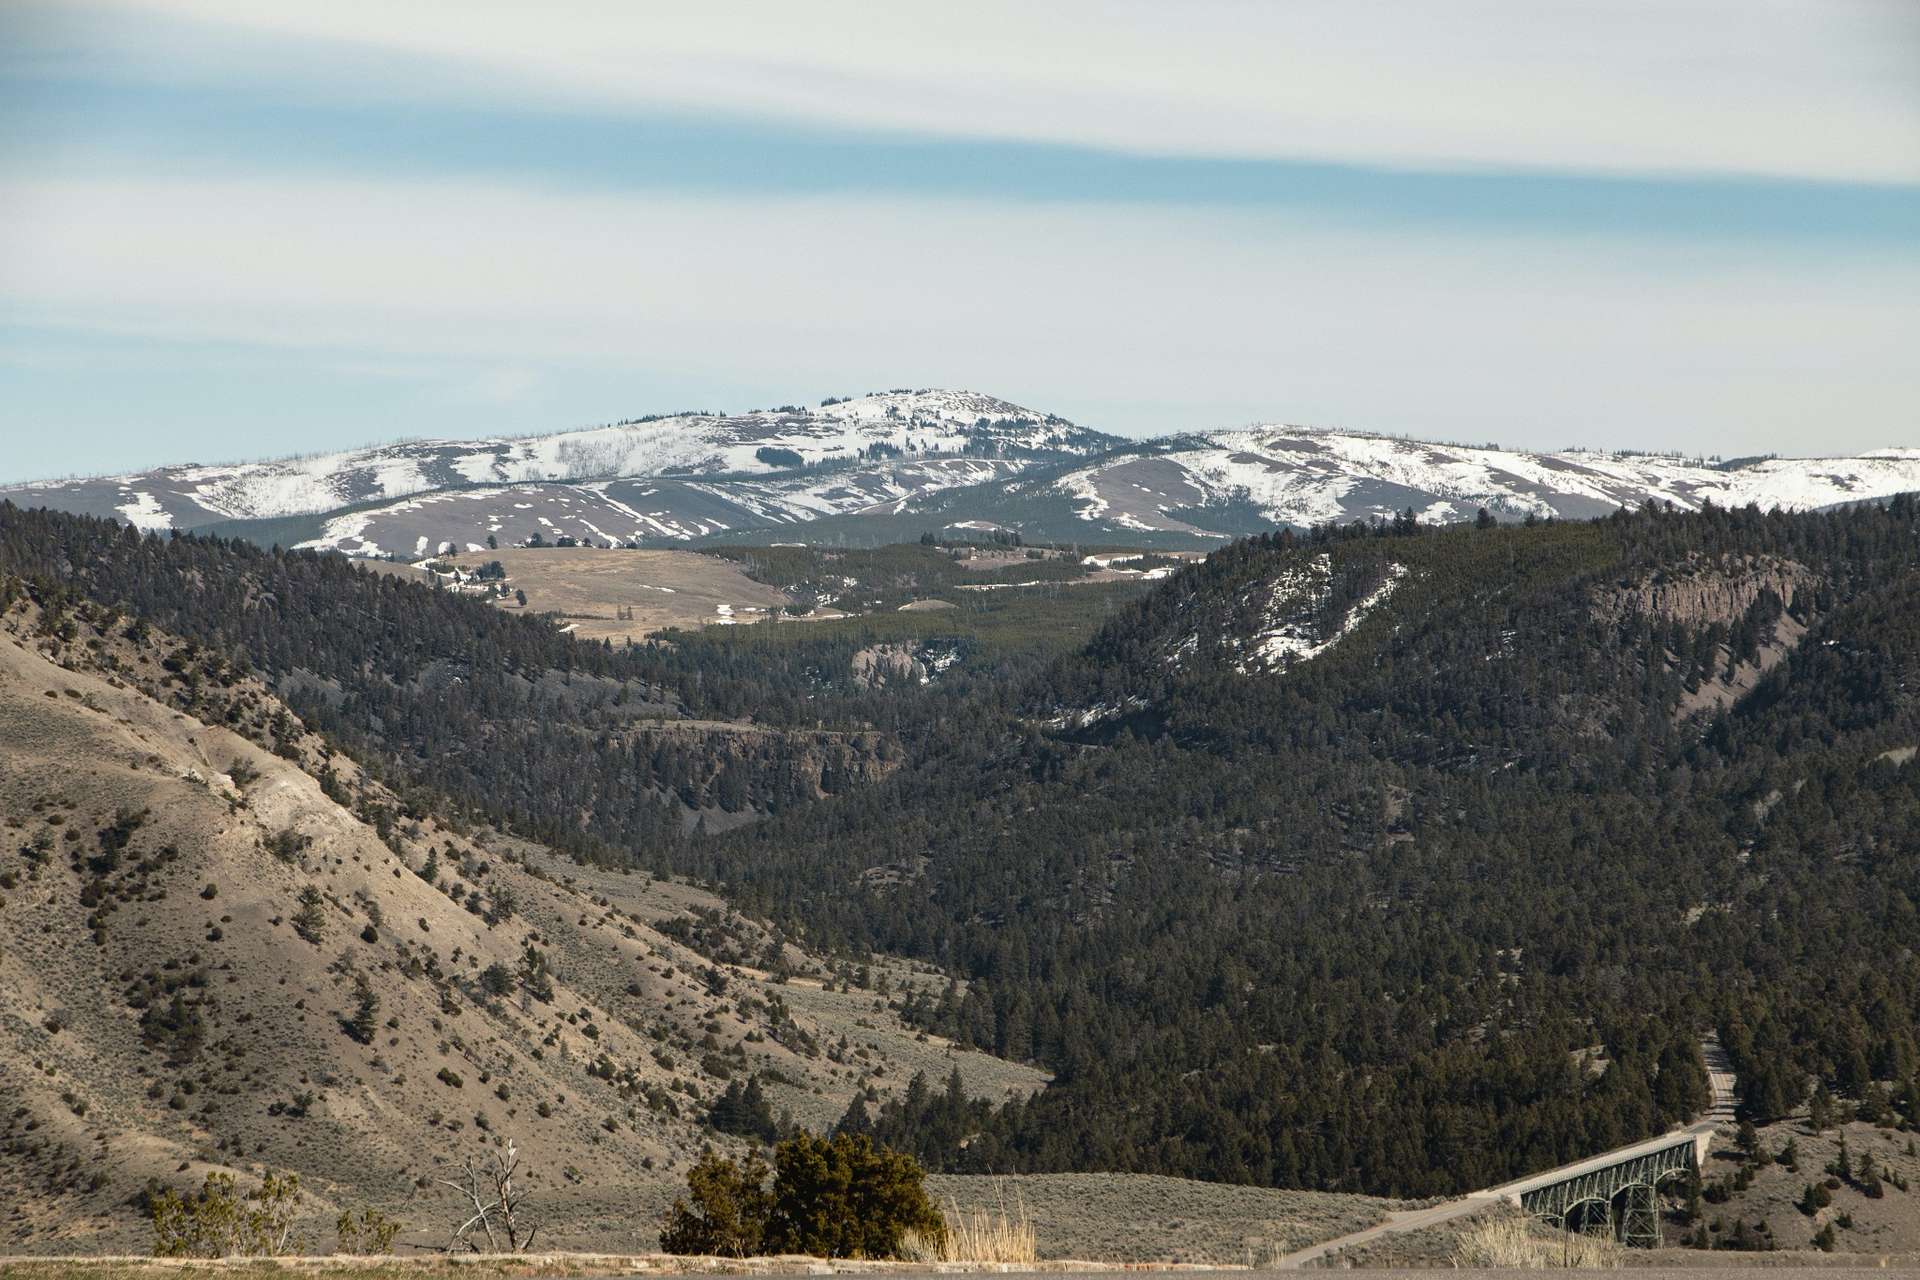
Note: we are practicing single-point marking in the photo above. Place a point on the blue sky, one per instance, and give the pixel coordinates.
(230, 230)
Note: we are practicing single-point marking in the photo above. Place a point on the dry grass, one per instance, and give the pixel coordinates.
(1135, 1217)
(564, 1266)
(487, 1267)
(1515, 1244)
(980, 1236)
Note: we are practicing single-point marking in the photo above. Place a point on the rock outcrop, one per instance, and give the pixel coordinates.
(1705, 591)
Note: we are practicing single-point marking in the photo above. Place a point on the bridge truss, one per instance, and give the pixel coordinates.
(1621, 1200)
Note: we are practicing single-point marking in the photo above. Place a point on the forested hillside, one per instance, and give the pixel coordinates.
(1347, 924)
(1382, 859)
(606, 751)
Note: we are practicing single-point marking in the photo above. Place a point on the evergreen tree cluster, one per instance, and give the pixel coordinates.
(838, 1197)
(743, 1111)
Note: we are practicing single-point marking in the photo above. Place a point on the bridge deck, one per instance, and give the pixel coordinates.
(1699, 1135)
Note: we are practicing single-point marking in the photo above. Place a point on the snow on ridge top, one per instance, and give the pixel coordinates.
(1259, 433)
(881, 428)
(300, 485)
(1304, 475)
(958, 406)
(925, 422)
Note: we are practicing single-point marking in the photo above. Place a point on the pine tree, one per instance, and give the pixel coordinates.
(856, 1119)
(1869, 1177)
(845, 1197)
(1842, 1166)
(496, 979)
(536, 980)
(724, 1114)
(310, 921)
(365, 1022)
(725, 1211)
(744, 1112)
(756, 1113)
(1820, 1109)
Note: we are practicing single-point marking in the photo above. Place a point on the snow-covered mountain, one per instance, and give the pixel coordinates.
(897, 430)
(886, 466)
(1282, 475)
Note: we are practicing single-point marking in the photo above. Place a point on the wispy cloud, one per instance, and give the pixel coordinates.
(1690, 224)
(1827, 90)
(1614, 339)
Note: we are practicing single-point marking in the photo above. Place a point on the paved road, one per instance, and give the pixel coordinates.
(1720, 1079)
(1405, 1220)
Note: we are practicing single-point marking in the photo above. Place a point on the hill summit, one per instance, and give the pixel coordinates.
(888, 466)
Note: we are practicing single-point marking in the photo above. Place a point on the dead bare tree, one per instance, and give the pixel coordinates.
(493, 1206)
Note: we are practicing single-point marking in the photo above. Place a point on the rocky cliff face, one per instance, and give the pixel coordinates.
(880, 665)
(728, 773)
(1704, 591)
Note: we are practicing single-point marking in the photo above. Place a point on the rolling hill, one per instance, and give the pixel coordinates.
(672, 477)
(1293, 476)
(889, 466)
(228, 947)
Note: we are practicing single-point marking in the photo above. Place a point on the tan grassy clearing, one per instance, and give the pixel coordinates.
(979, 1236)
(1517, 1244)
(590, 587)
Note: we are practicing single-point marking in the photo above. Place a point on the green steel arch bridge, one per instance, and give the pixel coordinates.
(1615, 1193)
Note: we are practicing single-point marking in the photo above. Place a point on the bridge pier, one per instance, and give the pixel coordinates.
(1640, 1220)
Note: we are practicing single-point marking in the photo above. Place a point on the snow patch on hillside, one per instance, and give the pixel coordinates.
(1087, 717)
(1083, 487)
(1290, 632)
(610, 512)
(144, 513)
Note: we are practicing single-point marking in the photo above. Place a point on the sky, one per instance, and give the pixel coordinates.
(234, 230)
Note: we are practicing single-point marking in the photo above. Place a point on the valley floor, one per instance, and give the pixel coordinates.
(1130, 1219)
